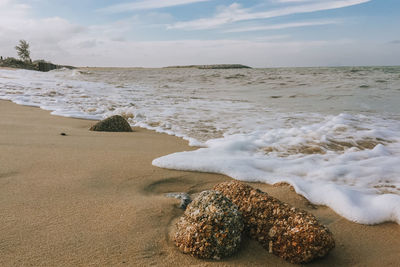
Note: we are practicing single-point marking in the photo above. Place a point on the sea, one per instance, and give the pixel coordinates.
(331, 133)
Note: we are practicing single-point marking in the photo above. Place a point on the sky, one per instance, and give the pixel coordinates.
(157, 33)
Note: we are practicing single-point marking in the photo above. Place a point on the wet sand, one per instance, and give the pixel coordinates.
(91, 198)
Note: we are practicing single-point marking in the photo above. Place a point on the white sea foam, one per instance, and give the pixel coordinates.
(323, 131)
(358, 183)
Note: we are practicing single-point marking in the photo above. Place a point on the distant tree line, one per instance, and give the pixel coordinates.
(25, 61)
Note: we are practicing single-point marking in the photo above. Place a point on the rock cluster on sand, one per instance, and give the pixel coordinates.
(287, 232)
(112, 124)
(211, 227)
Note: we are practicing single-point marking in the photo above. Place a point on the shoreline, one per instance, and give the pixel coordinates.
(92, 198)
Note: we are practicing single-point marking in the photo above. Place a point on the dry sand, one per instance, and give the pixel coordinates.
(93, 198)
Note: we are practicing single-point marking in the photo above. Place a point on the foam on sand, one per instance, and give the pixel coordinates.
(355, 175)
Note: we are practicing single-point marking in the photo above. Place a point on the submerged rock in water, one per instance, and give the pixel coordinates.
(210, 228)
(183, 197)
(112, 124)
(287, 232)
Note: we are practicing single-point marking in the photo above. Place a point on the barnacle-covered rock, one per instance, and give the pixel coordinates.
(112, 124)
(211, 227)
(287, 232)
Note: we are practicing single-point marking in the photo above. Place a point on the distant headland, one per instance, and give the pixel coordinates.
(215, 66)
(39, 65)
(25, 61)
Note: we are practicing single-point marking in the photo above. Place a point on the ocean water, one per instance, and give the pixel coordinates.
(332, 133)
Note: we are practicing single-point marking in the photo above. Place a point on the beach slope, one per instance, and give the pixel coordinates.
(93, 198)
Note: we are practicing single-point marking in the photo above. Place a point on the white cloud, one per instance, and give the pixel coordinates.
(296, 1)
(4, 2)
(45, 34)
(235, 13)
(11, 12)
(147, 4)
(284, 26)
(125, 28)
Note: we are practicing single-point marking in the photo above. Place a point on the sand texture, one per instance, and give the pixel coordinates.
(93, 198)
(7, 68)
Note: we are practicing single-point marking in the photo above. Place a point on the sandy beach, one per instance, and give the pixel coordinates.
(92, 198)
